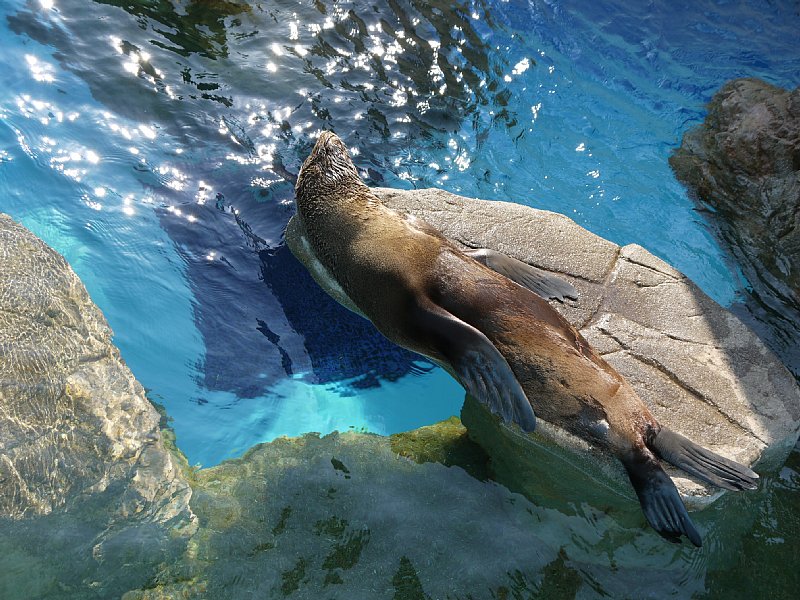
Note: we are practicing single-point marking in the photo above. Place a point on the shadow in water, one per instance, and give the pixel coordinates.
(340, 344)
(197, 27)
(768, 304)
(262, 316)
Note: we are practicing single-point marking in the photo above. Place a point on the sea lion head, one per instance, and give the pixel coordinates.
(327, 172)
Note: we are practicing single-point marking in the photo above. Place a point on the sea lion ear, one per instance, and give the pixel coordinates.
(547, 285)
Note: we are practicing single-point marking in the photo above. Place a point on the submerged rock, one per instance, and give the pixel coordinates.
(89, 492)
(743, 163)
(74, 421)
(343, 516)
(698, 368)
(97, 503)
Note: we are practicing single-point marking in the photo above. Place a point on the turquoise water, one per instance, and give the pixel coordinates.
(151, 145)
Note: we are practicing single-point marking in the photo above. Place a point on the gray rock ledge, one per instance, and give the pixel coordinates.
(74, 422)
(700, 370)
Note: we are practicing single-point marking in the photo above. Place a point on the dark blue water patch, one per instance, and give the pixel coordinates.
(262, 317)
(230, 301)
(706, 42)
(341, 345)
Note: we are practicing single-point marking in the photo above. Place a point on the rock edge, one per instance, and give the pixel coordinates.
(700, 370)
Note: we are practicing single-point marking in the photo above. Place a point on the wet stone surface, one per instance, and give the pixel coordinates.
(743, 163)
(697, 366)
(97, 502)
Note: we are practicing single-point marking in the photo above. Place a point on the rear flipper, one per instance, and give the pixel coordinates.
(548, 286)
(702, 463)
(661, 503)
(477, 364)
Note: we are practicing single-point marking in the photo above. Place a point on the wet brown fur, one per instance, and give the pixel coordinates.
(388, 264)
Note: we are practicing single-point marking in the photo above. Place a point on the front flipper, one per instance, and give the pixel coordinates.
(660, 500)
(548, 286)
(476, 364)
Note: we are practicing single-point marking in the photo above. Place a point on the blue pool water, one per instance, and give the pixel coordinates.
(153, 145)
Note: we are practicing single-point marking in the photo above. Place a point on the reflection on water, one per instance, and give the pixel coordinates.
(154, 144)
(195, 27)
(294, 68)
(763, 567)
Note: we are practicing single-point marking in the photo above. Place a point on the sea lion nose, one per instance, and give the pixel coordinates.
(327, 139)
(330, 146)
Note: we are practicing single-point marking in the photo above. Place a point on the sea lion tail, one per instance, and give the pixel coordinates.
(659, 498)
(696, 460)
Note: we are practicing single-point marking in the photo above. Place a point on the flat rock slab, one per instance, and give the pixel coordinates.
(700, 370)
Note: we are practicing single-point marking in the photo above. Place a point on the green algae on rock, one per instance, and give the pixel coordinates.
(286, 519)
(446, 442)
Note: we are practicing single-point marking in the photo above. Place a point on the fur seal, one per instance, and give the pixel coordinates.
(481, 315)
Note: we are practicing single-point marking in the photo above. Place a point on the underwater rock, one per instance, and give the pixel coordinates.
(699, 369)
(84, 471)
(343, 516)
(73, 420)
(743, 163)
(97, 503)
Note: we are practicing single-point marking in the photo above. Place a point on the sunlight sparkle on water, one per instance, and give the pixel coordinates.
(148, 132)
(92, 204)
(521, 67)
(132, 66)
(116, 43)
(127, 206)
(40, 71)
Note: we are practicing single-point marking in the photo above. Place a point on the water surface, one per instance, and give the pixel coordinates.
(154, 145)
